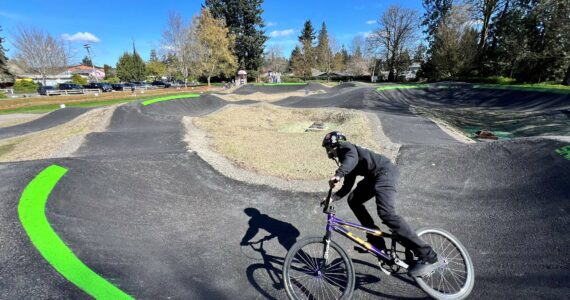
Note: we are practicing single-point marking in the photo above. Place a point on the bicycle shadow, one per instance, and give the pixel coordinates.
(369, 280)
(270, 284)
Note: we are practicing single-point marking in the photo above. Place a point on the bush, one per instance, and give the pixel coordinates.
(112, 80)
(2, 96)
(290, 79)
(77, 79)
(500, 80)
(25, 86)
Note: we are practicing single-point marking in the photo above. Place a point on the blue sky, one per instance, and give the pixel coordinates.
(112, 26)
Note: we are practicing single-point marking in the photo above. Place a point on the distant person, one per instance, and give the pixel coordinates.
(380, 179)
(133, 91)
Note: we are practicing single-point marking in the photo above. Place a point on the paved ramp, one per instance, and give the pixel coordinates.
(160, 223)
(52, 119)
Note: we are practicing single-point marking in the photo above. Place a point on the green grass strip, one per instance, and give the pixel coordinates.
(280, 84)
(399, 86)
(531, 88)
(167, 98)
(31, 210)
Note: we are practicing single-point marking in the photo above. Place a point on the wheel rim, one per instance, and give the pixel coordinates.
(313, 278)
(453, 274)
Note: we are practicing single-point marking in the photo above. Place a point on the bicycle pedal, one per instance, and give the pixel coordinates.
(384, 269)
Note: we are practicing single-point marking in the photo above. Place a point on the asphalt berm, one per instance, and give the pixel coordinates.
(52, 119)
(159, 222)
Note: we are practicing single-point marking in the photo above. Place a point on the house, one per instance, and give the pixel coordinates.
(87, 72)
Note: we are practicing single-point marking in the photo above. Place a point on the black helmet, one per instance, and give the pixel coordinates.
(331, 141)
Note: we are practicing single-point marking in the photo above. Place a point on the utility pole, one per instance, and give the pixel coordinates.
(88, 47)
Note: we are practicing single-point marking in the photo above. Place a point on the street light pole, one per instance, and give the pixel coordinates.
(88, 47)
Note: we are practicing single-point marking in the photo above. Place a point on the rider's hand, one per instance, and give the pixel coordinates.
(333, 181)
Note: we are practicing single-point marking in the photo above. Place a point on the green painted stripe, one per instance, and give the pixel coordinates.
(397, 87)
(280, 84)
(151, 101)
(32, 215)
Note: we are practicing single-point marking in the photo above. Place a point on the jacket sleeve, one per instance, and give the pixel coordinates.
(346, 187)
(348, 157)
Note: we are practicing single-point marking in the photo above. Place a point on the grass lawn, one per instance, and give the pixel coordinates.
(46, 104)
(550, 88)
(272, 140)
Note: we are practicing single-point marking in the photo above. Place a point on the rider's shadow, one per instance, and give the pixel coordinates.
(266, 276)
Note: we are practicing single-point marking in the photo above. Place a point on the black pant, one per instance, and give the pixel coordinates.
(383, 187)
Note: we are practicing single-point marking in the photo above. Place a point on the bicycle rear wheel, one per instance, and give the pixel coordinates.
(455, 277)
(307, 275)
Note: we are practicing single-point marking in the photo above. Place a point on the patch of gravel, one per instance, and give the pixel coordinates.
(262, 97)
(197, 141)
(389, 148)
(59, 141)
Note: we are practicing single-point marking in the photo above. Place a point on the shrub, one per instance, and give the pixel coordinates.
(500, 80)
(77, 79)
(25, 86)
(2, 96)
(112, 80)
(290, 79)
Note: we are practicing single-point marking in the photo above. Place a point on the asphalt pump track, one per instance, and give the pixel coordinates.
(155, 221)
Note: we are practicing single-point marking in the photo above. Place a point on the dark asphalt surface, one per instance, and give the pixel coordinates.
(52, 119)
(160, 223)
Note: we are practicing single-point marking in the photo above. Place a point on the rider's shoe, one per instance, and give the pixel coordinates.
(424, 268)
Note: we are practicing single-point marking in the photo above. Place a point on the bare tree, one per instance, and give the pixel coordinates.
(395, 35)
(358, 64)
(181, 41)
(39, 52)
(274, 59)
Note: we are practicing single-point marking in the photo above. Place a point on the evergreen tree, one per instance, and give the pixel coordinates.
(308, 52)
(243, 18)
(87, 61)
(5, 75)
(109, 72)
(139, 67)
(125, 67)
(323, 50)
(296, 62)
(153, 55)
(436, 12)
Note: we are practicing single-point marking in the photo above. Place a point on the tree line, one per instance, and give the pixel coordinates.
(526, 40)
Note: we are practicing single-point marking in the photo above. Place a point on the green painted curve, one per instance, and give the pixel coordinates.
(31, 211)
(155, 100)
(280, 84)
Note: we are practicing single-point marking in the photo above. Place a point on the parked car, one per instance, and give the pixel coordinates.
(117, 86)
(69, 86)
(43, 90)
(161, 83)
(105, 87)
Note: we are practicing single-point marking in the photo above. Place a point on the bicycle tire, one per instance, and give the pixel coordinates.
(454, 261)
(342, 264)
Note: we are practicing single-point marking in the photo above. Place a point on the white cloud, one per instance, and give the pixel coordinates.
(9, 15)
(278, 33)
(365, 34)
(269, 24)
(81, 37)
(370, 22)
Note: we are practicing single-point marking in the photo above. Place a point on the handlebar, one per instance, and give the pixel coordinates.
(327, 201)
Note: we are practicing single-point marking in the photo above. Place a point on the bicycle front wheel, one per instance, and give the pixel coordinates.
(307, 275)
(455, 277)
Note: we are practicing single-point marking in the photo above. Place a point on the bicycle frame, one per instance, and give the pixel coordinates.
(339, 226)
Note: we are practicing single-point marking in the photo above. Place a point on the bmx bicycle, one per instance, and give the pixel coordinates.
(319, 268)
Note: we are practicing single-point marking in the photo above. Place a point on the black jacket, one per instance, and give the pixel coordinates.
(358, 161)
